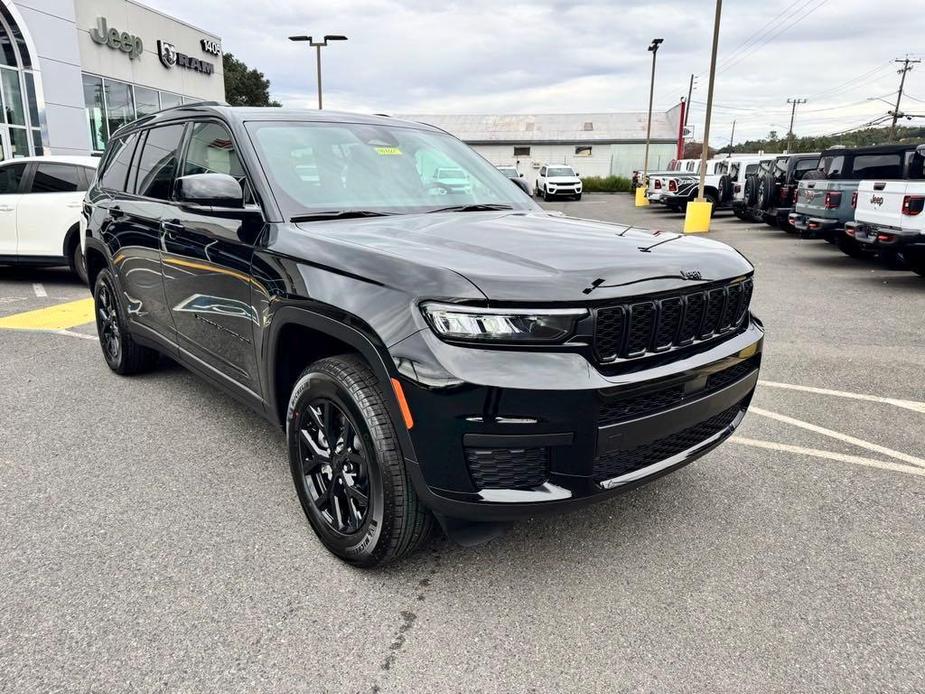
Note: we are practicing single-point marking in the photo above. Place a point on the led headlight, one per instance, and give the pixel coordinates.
(502, 325)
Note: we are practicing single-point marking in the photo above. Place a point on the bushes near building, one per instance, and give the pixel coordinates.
(606, 184)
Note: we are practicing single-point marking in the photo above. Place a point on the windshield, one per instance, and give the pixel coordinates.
(560, 171)
(324, 167)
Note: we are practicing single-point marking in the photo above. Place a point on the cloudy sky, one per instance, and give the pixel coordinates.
(557, 56)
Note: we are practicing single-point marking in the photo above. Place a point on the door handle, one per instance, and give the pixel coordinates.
(171, 228)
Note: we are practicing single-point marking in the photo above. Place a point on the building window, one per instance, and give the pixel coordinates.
(169, 100)
(96, 112)
(120, 107)
(521, 151)
(147, 101)
(583, 151)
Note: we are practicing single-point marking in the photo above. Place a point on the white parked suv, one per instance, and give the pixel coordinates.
(556, 179)
(40, 200)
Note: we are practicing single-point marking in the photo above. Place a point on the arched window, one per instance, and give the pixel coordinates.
(20, 125)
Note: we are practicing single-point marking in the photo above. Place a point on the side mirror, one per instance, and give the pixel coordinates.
(210, 190)
(577, 174)
(521, 175)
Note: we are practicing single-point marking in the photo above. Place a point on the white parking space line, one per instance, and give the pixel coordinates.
(72, 333)
(906, 404)
(830, 455)
(39, 290)
(905, 457)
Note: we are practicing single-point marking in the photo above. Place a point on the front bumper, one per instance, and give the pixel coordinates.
(555, 190)
(523, 446)
(814, 227)
(885, 238)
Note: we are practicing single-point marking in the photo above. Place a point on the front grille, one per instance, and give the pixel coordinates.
(507, 468)
(620, 463)
(615, 410)
(637, 329)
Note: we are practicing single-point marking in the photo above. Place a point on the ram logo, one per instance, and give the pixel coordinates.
(876, 200)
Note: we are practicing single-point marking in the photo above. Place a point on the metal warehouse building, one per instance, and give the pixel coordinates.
(594, 144)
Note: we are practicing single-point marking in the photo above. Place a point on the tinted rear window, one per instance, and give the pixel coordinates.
(877, 166)
(58, 178)
(803, 167)
(115, 168)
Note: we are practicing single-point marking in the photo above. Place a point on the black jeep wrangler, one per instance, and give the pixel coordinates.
(774, 188)
(432, 352)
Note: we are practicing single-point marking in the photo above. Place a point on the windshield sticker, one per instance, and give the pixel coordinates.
(387, 151)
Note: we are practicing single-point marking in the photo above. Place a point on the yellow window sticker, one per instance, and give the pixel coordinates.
(387, 151)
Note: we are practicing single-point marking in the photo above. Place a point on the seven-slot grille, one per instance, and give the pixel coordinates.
(635, 329)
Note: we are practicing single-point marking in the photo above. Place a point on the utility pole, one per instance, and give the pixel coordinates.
(690, 91)
(705, 154)
(732, 136)
(907, 65)
(793, 113)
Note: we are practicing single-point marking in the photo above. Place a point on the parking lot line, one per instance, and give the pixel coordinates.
(905, 457)
(58, 317)
(830, 455)
(906, 404)
(39, 290)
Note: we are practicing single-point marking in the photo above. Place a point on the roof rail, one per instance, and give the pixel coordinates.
(193, 103)
(141, 120)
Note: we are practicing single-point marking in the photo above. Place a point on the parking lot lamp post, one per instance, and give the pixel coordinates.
(697, 219)
(318, 45)
(641, 200)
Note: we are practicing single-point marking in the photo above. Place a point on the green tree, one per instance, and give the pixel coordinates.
(245, 86)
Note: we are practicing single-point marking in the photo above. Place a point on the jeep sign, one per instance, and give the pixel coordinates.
(119, 40)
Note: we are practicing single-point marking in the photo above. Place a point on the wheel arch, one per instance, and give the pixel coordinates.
(96, 260)
(71, 238)
(299, 337)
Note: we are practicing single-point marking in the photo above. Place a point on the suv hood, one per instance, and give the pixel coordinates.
(533, 257)
(563, 179)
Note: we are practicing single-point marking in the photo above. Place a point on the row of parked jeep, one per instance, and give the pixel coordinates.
(865, 200)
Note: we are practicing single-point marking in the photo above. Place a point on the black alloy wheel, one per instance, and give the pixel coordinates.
(335, 467)
(123, 355)
(107, 323)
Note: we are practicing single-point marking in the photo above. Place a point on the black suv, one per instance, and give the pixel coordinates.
(774, 189)
(433, 353)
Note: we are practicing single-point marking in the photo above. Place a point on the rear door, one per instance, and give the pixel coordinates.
(12, 176)
(50, 207)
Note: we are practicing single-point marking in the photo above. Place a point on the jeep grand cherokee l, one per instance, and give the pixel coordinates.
(432, 353)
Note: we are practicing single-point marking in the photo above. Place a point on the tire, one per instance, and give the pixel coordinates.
(724, 187)
(710, 197)
(546, 196)
(578, 197)
(918, 267)
(78, 263)
(893, 260)
(751, 191)
(122, 354)
(765, 192)
(393, 522)
(850, 247)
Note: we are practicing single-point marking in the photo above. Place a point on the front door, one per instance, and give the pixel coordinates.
(11, 178)
(206, 266)
(49, 207)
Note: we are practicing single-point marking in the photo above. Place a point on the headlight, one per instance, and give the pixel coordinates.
(497, 325)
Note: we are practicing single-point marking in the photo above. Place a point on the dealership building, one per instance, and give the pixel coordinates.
(594, 144)
(73, 71)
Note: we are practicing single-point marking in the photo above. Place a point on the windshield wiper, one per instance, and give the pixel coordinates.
(477, 207)
(337, 214)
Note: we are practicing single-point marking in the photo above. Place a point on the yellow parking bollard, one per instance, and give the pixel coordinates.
(641, 199)
(697, 217)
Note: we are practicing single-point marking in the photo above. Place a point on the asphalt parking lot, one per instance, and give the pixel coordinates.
(151, 539)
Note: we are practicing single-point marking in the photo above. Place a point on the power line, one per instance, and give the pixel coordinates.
(907, 65)
(850, 84)
(773, 35)
(769, 26)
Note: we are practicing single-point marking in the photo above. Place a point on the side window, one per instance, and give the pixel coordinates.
(58, 178)
(877, 166)
(803, 167)
(115, 168)
(158, 162)
(10, 178)
(211, 150)
(543, 172)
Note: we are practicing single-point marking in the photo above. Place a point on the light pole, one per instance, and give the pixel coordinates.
(641, 200)
(317, 45)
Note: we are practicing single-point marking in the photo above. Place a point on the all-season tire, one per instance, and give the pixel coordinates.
(78, 263)
(366, 462)
(545, 194)
(123, 355)
(711, 198)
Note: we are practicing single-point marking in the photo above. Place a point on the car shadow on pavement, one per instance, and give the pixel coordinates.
(50, 276)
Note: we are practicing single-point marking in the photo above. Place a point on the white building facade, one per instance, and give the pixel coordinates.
(73, 71)
(594, 144)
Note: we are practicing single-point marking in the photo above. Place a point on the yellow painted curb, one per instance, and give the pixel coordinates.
(59, 317)
(641, 199)
(697, 218)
